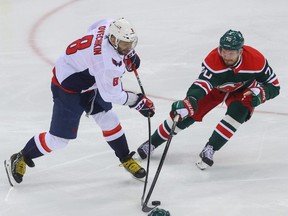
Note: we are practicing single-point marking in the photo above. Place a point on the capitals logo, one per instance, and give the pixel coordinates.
(116, 63)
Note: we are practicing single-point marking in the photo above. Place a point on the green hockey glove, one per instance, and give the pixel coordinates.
(184, 108)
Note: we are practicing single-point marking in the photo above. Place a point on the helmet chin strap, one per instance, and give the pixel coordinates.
(115, 46)
(238, 60)
(116, 42)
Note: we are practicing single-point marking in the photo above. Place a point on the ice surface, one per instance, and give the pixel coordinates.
(250, 174)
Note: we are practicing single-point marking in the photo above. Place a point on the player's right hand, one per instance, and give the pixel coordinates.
(144, 105)
(184, 108)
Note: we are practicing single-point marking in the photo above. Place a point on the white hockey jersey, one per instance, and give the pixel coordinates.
(90, 63)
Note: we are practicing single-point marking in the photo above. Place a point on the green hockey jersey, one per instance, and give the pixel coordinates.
(251, 70)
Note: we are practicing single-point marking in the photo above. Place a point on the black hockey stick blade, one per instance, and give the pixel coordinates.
(146, 208)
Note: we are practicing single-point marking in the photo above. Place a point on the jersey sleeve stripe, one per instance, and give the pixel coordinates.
(206, 86)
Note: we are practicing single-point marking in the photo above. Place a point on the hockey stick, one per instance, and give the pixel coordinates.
(149, 139)
(146, 208)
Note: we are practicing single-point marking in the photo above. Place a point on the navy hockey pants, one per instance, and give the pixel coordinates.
(68, 109)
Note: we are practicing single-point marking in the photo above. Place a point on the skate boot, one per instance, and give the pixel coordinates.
(144, 149)
(132, 166)
(206, 157)
(16, 167)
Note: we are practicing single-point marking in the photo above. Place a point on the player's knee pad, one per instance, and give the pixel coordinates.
(106, 120)
(110, 125)
(47, 142)
(238, 112)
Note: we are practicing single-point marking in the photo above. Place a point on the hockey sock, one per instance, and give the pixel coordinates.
(162, 133)
(236, 115)
(223, 132)
(43, 143)
(120, 146)
(31, 150)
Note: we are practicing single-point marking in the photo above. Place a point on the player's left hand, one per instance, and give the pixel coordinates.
(253, 96)
(131, 61)
(144, 105)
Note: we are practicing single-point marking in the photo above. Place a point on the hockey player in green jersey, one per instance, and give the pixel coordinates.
(233, 73)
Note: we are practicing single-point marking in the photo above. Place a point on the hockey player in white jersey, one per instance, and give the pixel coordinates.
(87, 78)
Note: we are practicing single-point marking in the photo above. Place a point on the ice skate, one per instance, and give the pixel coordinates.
(144, 149)
(16, 168)
(206, 157)
(133, 167)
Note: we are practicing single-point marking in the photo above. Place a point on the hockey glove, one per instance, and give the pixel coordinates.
(253, 97)
(131, 61)
(144, 105)
(184, 108)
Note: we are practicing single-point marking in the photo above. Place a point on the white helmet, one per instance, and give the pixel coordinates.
(122, 30)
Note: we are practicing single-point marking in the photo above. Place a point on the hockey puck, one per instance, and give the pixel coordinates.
(156, 203)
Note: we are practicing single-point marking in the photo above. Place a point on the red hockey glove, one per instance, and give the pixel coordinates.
(184, 108)
(131, 61)
(144, 105)
(253, 97)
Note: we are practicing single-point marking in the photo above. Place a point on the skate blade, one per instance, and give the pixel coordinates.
(8, 172)
(138, 179)
(201, 165)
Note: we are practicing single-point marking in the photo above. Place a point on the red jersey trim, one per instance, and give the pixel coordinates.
(55, 81)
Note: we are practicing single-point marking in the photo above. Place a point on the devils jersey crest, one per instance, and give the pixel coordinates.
(229, 87)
